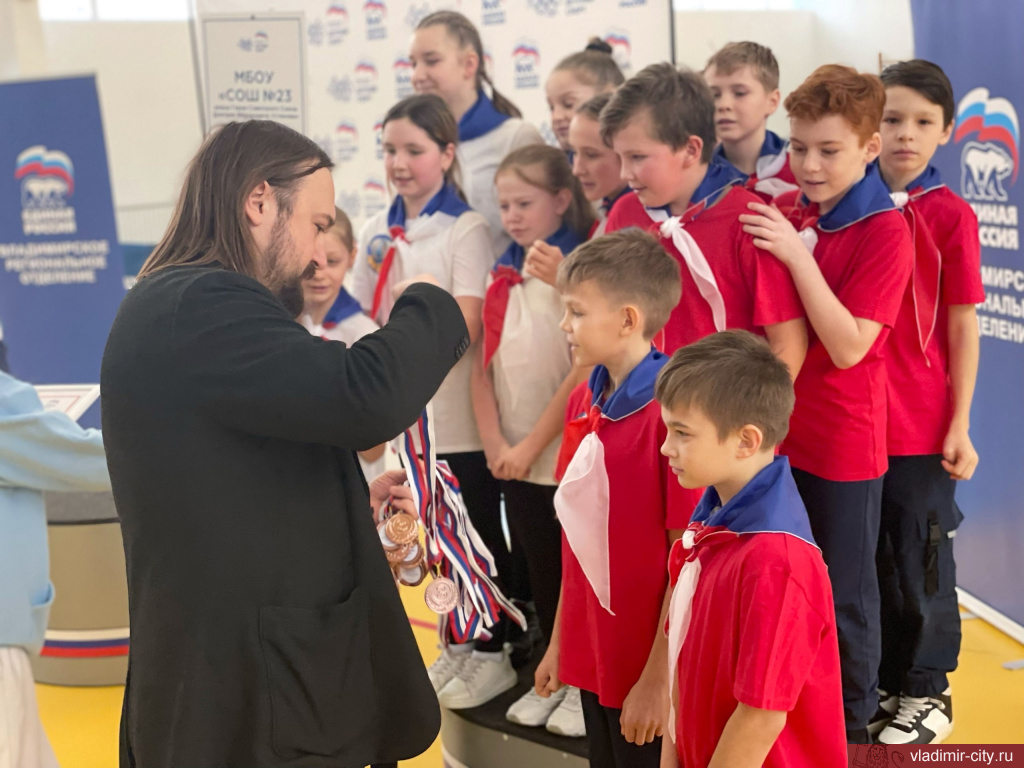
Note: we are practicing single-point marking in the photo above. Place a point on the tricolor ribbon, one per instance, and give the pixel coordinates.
(454, 548)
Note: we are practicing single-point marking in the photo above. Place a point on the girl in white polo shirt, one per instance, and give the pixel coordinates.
(448, 59)
(430, 229)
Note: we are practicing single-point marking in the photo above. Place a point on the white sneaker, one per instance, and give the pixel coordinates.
(567, 720)
(926, 720)
(479, 680)
(534, 710)
(448, 665)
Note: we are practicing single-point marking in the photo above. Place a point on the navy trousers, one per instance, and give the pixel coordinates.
(917, 577)
(845, 518)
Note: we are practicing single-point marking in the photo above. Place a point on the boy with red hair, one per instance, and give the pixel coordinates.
(850, 254)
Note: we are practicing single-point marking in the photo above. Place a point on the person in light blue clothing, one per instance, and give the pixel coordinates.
(39, 451)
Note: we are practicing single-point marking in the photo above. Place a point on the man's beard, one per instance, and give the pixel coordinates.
(287, 288)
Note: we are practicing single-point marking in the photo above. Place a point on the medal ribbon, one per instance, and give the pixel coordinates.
(397, 233)
(454, 549)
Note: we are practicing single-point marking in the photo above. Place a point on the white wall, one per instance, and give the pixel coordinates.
(150, 109)
(817, 32)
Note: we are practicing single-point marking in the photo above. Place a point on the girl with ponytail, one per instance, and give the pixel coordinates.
(447, 56)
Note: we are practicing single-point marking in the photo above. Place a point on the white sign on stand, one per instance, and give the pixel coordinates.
(71, 399)
(254, 69)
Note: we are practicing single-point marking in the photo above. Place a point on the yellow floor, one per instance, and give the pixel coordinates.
(989, 701)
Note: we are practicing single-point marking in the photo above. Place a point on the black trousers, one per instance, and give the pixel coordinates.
(481, 493)
(530, 509)
(608, 747)
(917, 577)
(845, 519)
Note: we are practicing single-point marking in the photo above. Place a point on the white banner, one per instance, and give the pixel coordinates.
(358, 64)
(254, 69)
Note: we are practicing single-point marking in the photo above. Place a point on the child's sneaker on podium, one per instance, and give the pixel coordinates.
(448, 664)
(533, 709)
(567, 720)
(927, 720)
(480, 678)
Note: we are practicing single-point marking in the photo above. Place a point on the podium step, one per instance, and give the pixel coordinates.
(483, 738)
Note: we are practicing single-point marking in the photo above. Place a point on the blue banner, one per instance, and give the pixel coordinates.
(62, 274)
(978, 44)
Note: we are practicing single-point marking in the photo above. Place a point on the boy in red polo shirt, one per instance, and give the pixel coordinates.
(932, 362)
(617, 501)
(744, 79)
(661, 124)
(751, 622)
(851, 261)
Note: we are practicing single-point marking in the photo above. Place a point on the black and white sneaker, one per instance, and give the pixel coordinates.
(888, 704)
(921, 721)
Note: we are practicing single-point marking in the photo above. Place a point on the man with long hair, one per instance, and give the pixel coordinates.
(266, 627)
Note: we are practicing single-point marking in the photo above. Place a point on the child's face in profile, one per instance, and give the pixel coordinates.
(912, 129)
(741, 102)
(565, 94)
(592, 324)
(697, 455)
(594, 163)
(828, 157)
(324, 286)
(657, 172)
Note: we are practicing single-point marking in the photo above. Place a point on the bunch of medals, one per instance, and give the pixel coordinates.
(400, 536)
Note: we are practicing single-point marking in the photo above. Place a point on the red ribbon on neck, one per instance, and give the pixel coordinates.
(397, 233)
(506, 277)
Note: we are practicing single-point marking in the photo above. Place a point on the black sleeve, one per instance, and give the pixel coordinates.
(253, 368)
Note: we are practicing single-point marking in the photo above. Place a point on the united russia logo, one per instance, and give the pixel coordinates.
(493, 12)
(375, 197)
(365, 80)
(526, 63)
(622, 51)
(337, 23)
(403, 77)
(346, 141)
(378, 138)
(988, 131)
(376, 19)
(47, 181)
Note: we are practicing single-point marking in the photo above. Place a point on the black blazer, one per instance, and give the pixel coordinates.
(266, 629)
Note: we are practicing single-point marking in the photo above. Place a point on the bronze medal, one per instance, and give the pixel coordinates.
(413, 577)
(385, 540)
(398, 555)
(402, 528)
(441, 595)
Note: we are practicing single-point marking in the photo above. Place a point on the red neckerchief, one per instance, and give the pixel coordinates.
(505, 278)
(396, 232)
(926, 278)
(573, 435)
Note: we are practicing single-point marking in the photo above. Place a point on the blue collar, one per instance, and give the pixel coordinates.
(721, 175)
(565, 239)
(634, 393)
(445, 201)
(929, 179)
(480, 119)
(773, 145)
(343, 308)
(770, 503)
(865, 198)
(608, 202)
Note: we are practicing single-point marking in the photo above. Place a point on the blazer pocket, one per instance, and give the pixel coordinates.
(319, 675)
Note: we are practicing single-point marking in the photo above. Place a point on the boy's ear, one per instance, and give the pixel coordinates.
(632, 319)
(751, 440)
(873, 147)
(562, 200)
(946, 134)
(774, 99)
(689, 154)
